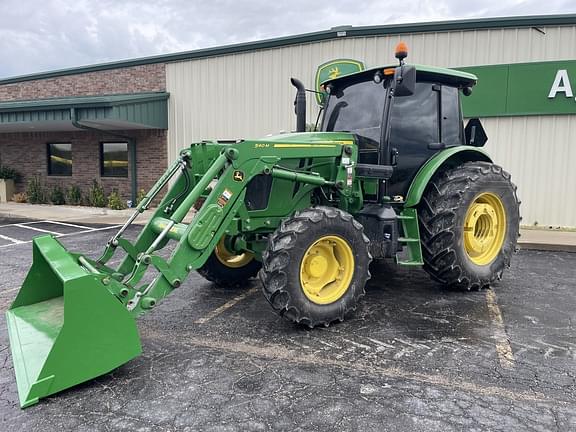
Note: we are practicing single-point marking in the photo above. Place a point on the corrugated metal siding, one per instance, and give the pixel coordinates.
(32, 116)
(152, 114)
(540, 153)
(249, 95)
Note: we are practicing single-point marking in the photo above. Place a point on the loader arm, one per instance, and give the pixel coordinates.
(74, 317)
(232, 169)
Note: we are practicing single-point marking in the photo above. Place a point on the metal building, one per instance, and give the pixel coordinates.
(248, 94)
(525, 97)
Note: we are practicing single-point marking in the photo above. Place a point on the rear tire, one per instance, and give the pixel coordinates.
(316, 266)
(469, 220)
(228, 270)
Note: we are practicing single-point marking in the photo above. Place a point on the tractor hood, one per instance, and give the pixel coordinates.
(292, 140)
(307, 139)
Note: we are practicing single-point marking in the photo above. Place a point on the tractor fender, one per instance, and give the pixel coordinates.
(452, 156)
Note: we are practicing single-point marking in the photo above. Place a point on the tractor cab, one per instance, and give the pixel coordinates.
(400, 115)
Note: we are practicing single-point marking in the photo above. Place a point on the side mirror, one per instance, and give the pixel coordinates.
(404, 80)
(474, 133)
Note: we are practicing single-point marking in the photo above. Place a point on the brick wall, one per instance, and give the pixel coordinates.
(136, 79)
(27, 153)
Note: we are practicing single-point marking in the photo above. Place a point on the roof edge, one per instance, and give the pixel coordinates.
(334, 33)
(452, 72)
(81, 101)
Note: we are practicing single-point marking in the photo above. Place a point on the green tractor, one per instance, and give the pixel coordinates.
(393, 173)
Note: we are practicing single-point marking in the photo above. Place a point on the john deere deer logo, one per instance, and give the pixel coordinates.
(334, 72)
(334, 69)
(238, 176)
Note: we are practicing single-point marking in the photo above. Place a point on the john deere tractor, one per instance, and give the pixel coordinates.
(392, 174)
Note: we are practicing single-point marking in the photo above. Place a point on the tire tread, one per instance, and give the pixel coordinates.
(437, 216)
(276, 262)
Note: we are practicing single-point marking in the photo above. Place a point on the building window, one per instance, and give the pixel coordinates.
(60, 159)
(114, 159)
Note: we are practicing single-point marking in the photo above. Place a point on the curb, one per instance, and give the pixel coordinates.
(100, 215)
(69, 213)
(547, 247)
(72, 210)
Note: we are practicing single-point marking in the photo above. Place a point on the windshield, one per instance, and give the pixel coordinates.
(358, 108)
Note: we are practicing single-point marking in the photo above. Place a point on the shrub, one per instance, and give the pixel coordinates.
(115, 201)
(140, 196)
(36, 192)
(20, 197)
(74, 195)
(96, 197)
(57, 195)
(7, 173)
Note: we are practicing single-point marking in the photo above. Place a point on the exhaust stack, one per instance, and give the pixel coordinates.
(299, 105)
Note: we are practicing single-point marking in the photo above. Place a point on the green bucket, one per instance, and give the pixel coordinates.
(65, 326)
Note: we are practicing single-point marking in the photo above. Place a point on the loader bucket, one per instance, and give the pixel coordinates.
(65, 326)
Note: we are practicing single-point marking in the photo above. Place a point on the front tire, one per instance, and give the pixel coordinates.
(316, 266)
(469, 220)
(228, 269)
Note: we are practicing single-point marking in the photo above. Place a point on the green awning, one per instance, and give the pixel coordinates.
(112, 112)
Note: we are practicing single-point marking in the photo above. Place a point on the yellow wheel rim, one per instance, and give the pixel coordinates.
(484, 228)
(229, 259)
(327, 269)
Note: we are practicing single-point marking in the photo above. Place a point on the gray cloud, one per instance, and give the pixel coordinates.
(51, 34)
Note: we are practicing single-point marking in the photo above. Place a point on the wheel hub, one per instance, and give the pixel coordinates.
(327, 269)
(484, 228)
(317, 266)
(230, 259)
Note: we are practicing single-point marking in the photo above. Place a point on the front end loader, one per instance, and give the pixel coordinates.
(392, 174)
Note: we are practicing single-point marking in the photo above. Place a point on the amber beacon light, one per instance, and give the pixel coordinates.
(401, 51)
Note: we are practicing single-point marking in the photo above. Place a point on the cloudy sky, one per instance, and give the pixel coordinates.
(39, 35)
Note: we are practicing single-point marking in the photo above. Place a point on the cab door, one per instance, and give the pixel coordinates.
(419, 126)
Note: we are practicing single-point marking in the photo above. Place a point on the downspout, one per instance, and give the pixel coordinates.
(131, 149)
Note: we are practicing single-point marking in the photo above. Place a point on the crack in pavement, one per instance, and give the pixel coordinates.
(279, 352)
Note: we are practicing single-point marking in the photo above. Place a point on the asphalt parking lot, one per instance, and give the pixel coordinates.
(414, 357)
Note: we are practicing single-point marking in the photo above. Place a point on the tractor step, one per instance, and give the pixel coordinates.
(408, 240)
(411, 239)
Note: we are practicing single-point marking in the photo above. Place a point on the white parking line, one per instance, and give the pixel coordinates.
(62, 223)
(95, 229)
(91, 230)
(8, 290)
(503, 347)
(10, 239)
(38, 229)
(47, 222)
(21, 223)
(26, 223)
(225, 306)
